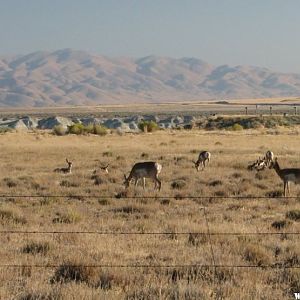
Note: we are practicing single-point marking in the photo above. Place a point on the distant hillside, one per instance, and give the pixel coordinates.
(67, 77)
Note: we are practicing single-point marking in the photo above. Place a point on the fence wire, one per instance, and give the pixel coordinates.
(147, 197)
(52, 266)
(149, 233)
(208, 232)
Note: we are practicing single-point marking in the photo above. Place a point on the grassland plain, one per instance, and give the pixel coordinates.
(228, 107)
(27, 163)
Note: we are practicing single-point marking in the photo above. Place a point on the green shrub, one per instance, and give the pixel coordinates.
(89, 128)
(99, 130)
(148, 126)
(59, 130)
(76, 128)
(96, 129)
(237, 127)
(79, 128)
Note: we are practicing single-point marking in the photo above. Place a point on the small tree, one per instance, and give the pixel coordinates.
(237, 127)
(89, 128)
(148, 126)
(59, 130)
(76, 128)
(99, 130)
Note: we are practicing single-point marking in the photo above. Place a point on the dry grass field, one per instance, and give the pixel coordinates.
(147, 266)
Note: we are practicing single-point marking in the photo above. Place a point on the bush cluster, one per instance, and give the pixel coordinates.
(240, 123)
(211, 123)
(79, 128)
(148, 126)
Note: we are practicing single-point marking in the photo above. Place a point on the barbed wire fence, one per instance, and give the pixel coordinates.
(208, 233)
(146, 197)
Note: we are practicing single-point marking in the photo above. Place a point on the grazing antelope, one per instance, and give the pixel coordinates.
(105, 168)
(203, 157)
(286, 175)
(143, 170)
(269, 157)
(66, 170)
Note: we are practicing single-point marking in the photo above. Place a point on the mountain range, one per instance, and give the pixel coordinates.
(69, 77)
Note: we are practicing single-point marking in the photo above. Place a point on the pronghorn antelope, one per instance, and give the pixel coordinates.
(252, 166)
(66, 170)
(286, 175)
(203, 157)
(104, 168)
(260, 164)
(143, 170)
(269, 157)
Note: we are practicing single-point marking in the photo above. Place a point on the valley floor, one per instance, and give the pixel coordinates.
(88, 239)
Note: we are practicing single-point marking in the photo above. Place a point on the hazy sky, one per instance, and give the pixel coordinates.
(252, 32)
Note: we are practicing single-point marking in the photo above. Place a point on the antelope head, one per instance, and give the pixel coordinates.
(197, 165)
(126, 181)
(273, 163)
(105, 168)
(69, 163)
